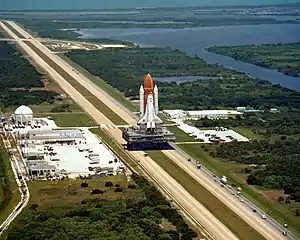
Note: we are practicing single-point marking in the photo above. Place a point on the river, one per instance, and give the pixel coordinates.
(193, 41)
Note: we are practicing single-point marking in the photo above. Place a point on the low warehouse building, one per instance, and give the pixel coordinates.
(175, 114)
(211, 114)
(57, 137)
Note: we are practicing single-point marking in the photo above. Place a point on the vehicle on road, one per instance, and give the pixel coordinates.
(146, 155)
(284, 233)
(285, 225)
(263, 216)
(242, 200)
(254, 210)
(223, 180)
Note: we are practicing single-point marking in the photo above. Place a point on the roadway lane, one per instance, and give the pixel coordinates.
(190, 205)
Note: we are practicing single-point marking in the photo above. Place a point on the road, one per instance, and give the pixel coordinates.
(270, 229)
(23, 188)
(196, 212)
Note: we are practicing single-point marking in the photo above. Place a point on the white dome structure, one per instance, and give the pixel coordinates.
(23, 114)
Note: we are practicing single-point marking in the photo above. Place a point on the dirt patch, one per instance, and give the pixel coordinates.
(272, 195)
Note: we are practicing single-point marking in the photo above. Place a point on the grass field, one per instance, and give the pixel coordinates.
(90, 97)
(248, 133)
(70, 119)
(181, 136)
(51, 194)
(13, 188)
(235, 175)
(237, 225)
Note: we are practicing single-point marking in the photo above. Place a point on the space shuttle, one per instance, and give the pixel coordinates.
(149, 104)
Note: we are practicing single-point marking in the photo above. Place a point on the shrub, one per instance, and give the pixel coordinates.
(33, 207)
(83, 202)
(84, 184)
(117, 185)
(118, 189)
(97, 191)
(132, 186)
(108, 184)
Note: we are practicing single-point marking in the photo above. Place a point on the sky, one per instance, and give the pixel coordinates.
(105, 4)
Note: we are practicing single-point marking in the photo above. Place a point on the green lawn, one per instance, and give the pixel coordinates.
(181, 136)
(282, 213)
(50, 194)
(70, 119)
(248, 133)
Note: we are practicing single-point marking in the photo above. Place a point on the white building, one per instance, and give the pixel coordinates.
(72, 136)
(211, 114)
(23, 114)
(175, 114)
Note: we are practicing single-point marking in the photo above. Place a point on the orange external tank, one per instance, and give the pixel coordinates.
(148, 88)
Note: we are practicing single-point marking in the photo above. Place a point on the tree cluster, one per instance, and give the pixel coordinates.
(125, 70)
(17, 77)
(282, 57)
(4, 180)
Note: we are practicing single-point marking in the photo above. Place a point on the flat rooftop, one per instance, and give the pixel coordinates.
(200, 134)
(55, 134)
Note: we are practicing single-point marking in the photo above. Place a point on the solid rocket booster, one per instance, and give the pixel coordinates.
(141, 101)
(156, 99)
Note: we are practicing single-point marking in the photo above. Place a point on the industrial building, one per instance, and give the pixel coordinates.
(50, 152)
(149, 132)
(210, 114)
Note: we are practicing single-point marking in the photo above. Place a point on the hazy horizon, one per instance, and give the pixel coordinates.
(96, 4)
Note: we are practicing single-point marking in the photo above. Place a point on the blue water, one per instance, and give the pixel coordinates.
(193, 41)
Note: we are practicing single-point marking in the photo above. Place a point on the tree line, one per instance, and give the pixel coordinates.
(17, 77)
(282, 57)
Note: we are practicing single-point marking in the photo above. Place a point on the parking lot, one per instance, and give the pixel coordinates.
(209, 136)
